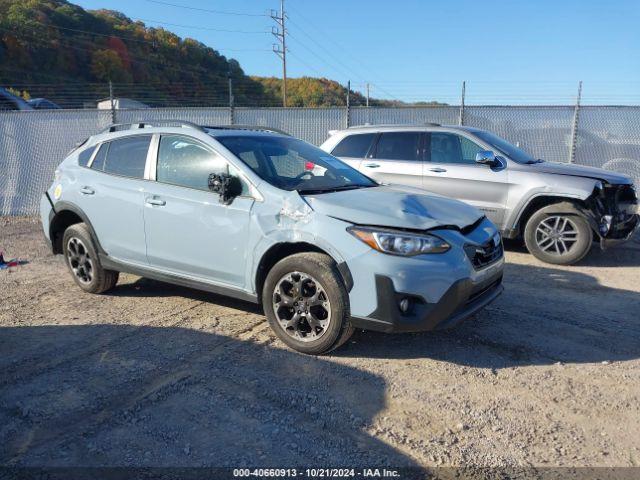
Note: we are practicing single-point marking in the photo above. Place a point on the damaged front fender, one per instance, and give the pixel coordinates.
(290, 220)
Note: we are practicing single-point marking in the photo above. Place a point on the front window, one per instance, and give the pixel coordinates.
(505, 148)
(291, 164)
(185, 162)
(451, 148)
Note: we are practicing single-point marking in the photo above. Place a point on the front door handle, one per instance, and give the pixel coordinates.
(156, 201)
(438, 170)
(87, 191)
(372, 165)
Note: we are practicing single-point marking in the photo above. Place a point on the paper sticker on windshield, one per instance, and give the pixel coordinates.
(335, 163)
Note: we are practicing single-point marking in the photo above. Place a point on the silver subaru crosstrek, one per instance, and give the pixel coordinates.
(558, 209)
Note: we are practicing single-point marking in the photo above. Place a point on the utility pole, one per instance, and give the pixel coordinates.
(232, 119)
(461, 113)
(280, 33)
(367, 94)
(348, 103)
(112, 102)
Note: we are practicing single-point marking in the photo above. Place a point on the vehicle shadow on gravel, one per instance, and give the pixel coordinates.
(122, 395)
(625, 255)
(545, 316)
(147, 288)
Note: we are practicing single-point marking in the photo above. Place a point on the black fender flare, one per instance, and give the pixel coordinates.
(64, 206)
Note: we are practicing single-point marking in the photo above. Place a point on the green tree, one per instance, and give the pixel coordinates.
(107, 65)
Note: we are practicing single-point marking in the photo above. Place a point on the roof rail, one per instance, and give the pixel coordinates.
(117, 127)
(257, 128)
(385, 125)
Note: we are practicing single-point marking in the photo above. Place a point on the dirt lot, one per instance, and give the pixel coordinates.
(156, 375)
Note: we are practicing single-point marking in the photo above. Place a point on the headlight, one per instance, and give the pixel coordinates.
(397, 242)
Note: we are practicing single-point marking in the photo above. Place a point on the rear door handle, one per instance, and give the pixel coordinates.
(87, 191)
(372, 165)
(438, 170)
(156, 201)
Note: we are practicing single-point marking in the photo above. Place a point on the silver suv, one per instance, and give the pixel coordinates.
(559, 209)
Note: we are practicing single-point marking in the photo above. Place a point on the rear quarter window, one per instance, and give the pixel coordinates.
(85, 156)
(355, 146)
(125, 156)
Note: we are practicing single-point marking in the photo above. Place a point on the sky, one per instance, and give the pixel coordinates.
(507, 51)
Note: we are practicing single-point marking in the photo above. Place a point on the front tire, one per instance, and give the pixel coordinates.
(84, 264)
(558, 236)
(307, 304)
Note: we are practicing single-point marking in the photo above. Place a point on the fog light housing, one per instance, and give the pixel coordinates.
(605, 224)
(405, 305)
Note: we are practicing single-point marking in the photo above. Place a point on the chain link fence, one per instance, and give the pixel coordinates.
(33, 143)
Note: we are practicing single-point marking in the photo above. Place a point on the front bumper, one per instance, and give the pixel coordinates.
(461, 300)
(427, 292)
(622, 231)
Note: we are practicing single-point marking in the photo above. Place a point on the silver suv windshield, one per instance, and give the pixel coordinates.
(291, 164)
(505, 148)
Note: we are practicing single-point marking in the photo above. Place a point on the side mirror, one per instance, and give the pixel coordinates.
(225, 185)
(486, 157)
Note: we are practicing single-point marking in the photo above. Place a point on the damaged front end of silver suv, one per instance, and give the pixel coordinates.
(613, 212)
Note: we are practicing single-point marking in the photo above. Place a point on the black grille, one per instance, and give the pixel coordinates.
(486, 254)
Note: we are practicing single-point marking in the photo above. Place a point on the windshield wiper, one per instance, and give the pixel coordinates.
(311, 191)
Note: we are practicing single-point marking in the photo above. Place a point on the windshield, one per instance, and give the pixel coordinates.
(291, 164)
(514, 153)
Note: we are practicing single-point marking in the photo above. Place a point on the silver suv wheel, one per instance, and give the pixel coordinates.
(556, 235)
(301, 306)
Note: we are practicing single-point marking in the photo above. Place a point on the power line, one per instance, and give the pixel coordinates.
(131, 58)
(217, 12)
(343, 50)
(306, 64)
(323, 60)
(197, 27)
(154, 43)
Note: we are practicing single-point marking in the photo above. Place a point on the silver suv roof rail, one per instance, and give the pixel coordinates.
(400, 125)
(257, 128)
(117, 127)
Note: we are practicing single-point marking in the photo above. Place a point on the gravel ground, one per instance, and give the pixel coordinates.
(156, 375)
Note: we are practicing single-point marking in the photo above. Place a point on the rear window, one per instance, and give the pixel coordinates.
(85, 156)
(399, 146)
(125, 156)
(355, 146)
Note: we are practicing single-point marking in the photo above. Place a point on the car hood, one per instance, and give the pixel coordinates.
(394, 206)
(608, 176)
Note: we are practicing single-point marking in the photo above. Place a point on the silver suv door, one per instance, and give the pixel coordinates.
(396, 158)
(451, 170)
(111, 191)
(189, 232)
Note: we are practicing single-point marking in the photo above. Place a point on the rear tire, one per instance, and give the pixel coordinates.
(83, 262)
(558, 236)
(307, 304)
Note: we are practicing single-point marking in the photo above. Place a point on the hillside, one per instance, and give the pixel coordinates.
(58, 50)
